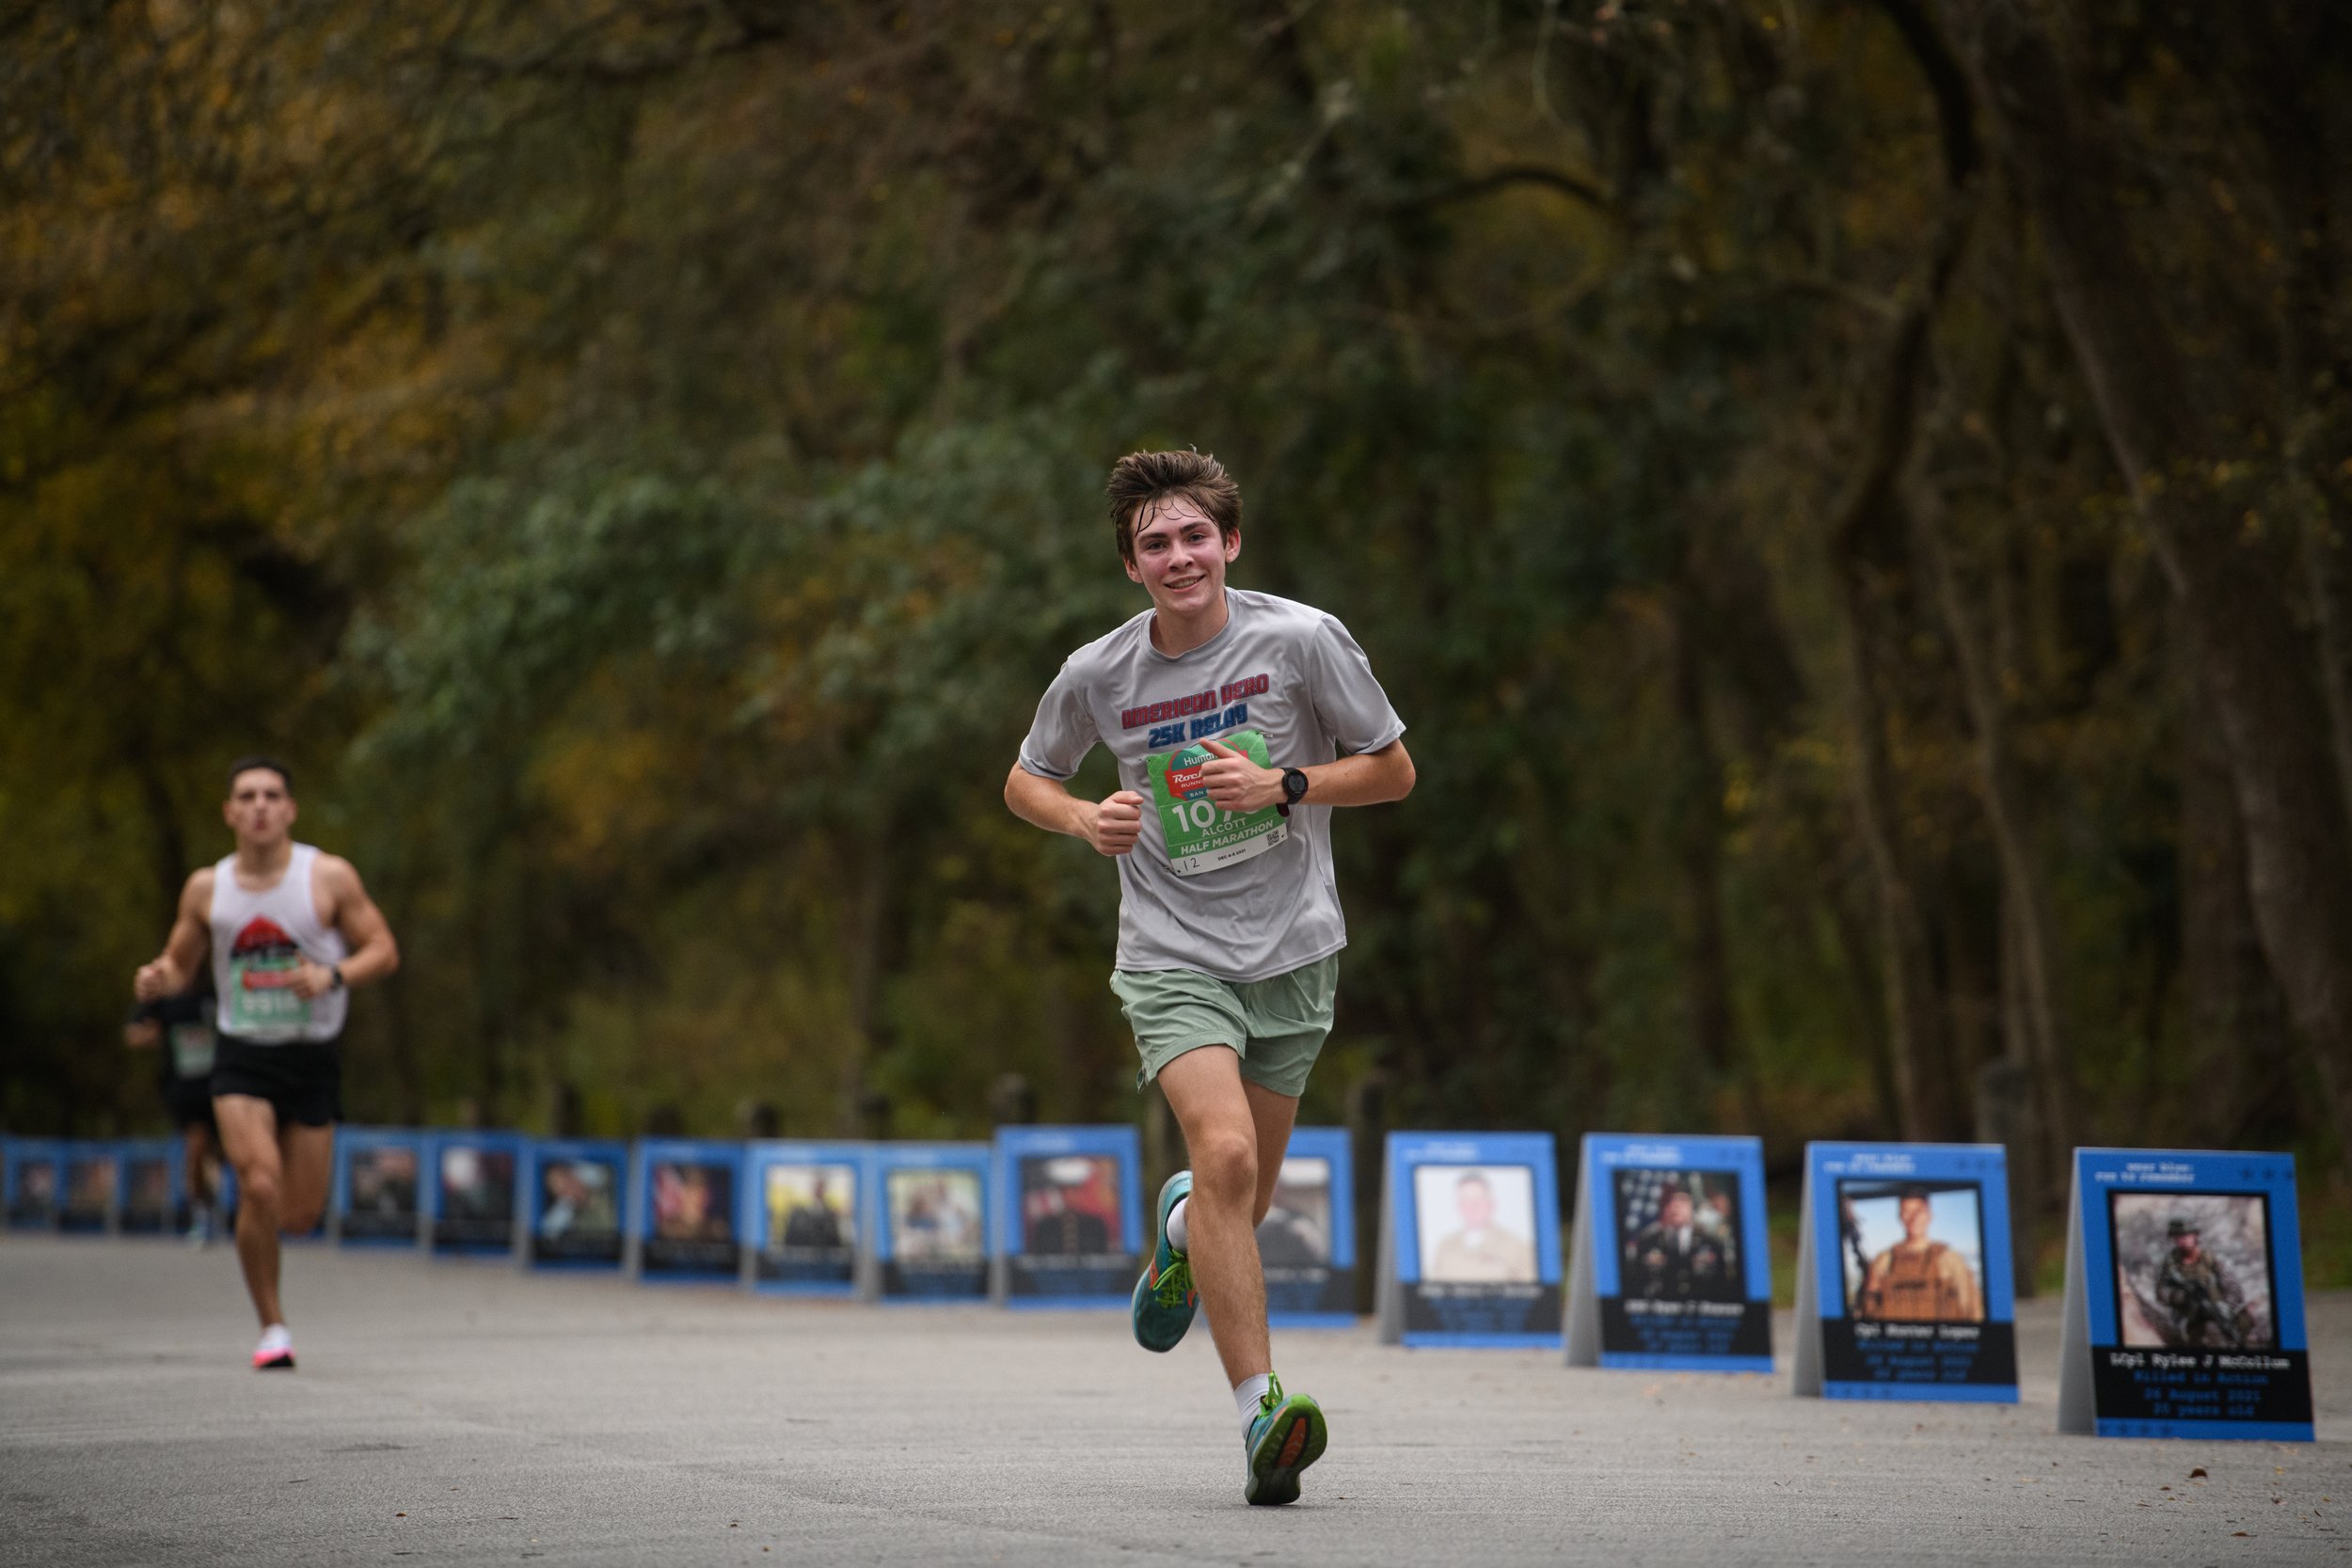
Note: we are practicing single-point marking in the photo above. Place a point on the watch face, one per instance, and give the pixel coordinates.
(1294, 784)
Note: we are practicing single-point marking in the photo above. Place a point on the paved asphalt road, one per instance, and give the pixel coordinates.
(466, 1412)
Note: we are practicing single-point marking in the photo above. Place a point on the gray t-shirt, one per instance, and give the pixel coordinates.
(1281, 669)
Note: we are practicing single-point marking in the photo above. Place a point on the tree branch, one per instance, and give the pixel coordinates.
(1574, 186)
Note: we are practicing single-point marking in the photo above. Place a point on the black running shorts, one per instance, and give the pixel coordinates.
(303, 1079)
(190, 1102)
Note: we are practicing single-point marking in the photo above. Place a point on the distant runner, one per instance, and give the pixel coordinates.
(178, 1029)
(290, 930)
(1238, 720)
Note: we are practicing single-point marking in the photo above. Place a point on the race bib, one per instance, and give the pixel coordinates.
(1201, 836)
(261, 965)
(192, 1049)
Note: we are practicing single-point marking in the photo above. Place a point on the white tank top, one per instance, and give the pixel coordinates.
(258, 940)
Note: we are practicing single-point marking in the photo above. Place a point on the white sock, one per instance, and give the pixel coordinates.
(275, 1339)
(1178, 1237)
(1246, 1393)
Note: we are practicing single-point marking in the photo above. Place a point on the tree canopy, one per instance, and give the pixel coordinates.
(1848, 495)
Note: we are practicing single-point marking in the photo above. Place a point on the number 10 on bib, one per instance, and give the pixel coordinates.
(1201, 835)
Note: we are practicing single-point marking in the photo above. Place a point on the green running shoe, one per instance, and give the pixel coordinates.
(1165, 1299)
(1285, 1437)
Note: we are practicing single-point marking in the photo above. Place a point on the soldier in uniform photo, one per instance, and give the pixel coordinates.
(1058, 1228)
(1296, 1234)
(2208, 1307)
(580, 1197)
(1674, 1257)
(814, 1222)
(1482, 1252)
(1918, 1281)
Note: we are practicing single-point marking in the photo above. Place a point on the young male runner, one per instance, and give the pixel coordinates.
(1239, 720)
(178, 1029)
(290, 930)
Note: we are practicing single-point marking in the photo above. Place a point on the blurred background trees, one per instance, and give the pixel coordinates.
(1849, 495)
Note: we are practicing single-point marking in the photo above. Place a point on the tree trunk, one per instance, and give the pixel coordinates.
(2236, 1025)
(867, 965)
(1700, 852)
(1914, 1012)
(2257, 669)
(2328, 579)
(2025, 897)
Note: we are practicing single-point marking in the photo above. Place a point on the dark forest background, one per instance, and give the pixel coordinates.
(1850, 496)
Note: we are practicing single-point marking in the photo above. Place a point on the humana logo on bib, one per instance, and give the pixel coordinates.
(1201, 835)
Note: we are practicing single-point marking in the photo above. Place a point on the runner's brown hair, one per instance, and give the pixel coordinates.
(1141, 480)
(247, 765)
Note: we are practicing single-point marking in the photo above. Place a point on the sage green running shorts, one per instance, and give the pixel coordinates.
(1276, 1025)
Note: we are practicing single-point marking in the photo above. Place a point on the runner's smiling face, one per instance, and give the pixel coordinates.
(259, 810)
(1181, 558)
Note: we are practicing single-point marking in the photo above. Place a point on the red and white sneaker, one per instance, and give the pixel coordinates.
(274, 1351)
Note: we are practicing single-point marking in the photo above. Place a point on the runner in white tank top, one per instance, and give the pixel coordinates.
(259, 940)
(289, 931)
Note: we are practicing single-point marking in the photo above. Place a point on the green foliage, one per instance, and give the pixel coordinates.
(645, 468)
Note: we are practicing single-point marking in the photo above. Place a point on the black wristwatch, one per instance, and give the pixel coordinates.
(1294, 790)
(335, 974)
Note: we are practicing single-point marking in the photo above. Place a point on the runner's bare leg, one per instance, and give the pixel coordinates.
(195, 1150)
(1274, 1114)
(248, 1135)
(1205, 1089)
(307, 1159)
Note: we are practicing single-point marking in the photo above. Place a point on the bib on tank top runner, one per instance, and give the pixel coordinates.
(259, 940)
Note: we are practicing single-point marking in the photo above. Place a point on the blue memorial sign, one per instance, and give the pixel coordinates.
(471, 1191)
(573, 1194)
(1307, 1243)
(1903, 1288)
(1469, 1240)
(150, 1186)
(1670, 1268)
(930, 1222)
(379, 1171)
(683, 1208)
(33, 1170)
(804, 1211)
(2183, 1298)
(1068, 1207)
(93, 1186)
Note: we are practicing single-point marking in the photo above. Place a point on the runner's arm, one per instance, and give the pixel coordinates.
(1111, 825)
(1366, 778)
(373, 953)
(174, 969)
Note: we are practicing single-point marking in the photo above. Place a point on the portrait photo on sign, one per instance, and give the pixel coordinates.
(383, 1182)
(809, 1206)
(90, 1180)
(1069, 1204)
(1679, 1235)
(37, 1185)
(935, 1217)
(1296, 1231)
(1476, 1223)
(1912, 1251)
(476, 1183)
(2192, 1270)
(149, 1185)
(577, 1197)
(693, 1201)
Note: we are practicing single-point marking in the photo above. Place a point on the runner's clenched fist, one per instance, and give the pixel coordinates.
(1118, 822)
